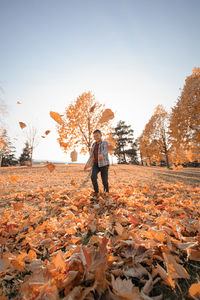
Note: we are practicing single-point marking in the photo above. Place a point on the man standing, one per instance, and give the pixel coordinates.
(100, 162)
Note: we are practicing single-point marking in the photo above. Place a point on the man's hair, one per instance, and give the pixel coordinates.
(97, 131)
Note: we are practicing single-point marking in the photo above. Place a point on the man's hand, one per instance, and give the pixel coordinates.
(100, 156)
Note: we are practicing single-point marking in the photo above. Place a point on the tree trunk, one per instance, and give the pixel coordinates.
(124, 155)
(141, 159)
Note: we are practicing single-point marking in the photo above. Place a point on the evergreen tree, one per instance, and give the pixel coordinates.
(124, 149)
(7, 150)
(25, 157)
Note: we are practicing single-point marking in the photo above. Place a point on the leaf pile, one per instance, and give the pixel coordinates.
(139, 243)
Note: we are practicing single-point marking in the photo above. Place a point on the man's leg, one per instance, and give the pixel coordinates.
(95, 171)
(104, 177)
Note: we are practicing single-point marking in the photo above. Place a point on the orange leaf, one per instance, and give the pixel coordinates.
(14, 178)
(106, 116)
(73, 155)
(133, 220)
(17, 206)
(194, 290)
(50, 166)
(58, 261)
(32, 254)
(22, 125)
(47, 132)
(56, 116)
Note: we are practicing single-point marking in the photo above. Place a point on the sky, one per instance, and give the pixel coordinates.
(132, 55)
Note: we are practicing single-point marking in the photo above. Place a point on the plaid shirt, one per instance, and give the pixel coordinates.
(103, 151)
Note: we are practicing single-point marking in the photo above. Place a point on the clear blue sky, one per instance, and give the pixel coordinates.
(133, 55)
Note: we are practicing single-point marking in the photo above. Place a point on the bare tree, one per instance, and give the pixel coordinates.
(3, 111)
(33, 138)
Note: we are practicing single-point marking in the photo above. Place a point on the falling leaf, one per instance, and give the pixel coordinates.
(73, 155)
(22, 125)
(47, 132)
(50, 166)
(56, 116)
(18, 102)
(106, 116)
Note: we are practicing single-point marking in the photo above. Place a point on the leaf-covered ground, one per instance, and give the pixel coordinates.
(141, 242)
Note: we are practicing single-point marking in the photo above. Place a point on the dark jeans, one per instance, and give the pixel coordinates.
(104, 177)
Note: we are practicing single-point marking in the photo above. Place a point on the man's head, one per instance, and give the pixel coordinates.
(97, 135)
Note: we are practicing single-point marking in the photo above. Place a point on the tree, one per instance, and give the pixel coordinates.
(81, 118)
(124, 140)
(184, 127)
(3, 141)
(25, 157)
(7, 150)
(131, 153)
(32, 137)
(154, 141)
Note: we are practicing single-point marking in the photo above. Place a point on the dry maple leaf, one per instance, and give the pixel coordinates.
(106, 115)
(57, 117)
(18, 206)
(50, 166)
(22, 125)
(73, 155)
(194, 290)
(13, 178)
(58, 261)
(47, 132)
(125, 288)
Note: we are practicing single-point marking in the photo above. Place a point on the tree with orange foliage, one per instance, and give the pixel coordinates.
(154, 141)
(184, 125)
(81, 118)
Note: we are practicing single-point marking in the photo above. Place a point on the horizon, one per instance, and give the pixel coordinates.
(132, 56)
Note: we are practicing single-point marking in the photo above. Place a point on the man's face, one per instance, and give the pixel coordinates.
(97, 136)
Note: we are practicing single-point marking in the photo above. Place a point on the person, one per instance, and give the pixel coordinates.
(99, 162)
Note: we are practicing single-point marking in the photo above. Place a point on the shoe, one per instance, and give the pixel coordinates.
(95, 196)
